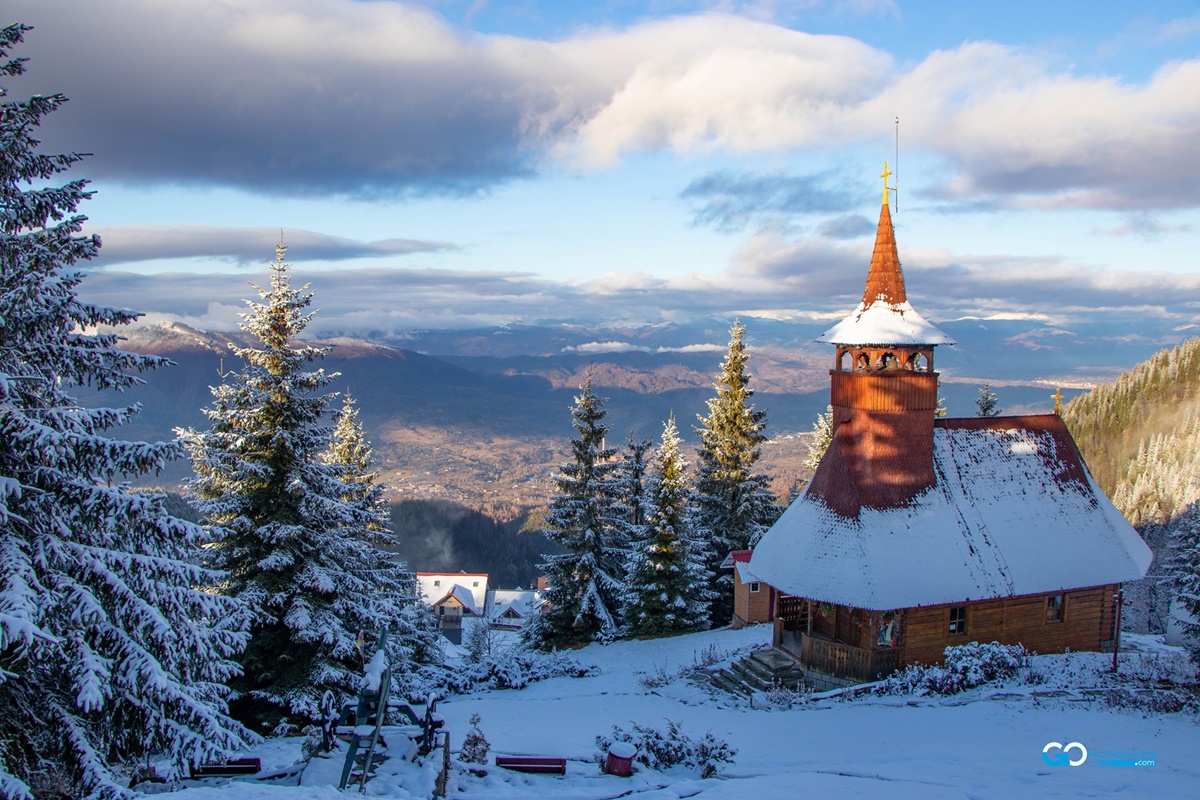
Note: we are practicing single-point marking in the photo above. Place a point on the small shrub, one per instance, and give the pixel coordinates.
(663, 749)
(475, 746)
(783, 698)
(660, 676)
(709, 655)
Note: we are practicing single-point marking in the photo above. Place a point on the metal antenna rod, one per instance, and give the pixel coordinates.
(897, 163)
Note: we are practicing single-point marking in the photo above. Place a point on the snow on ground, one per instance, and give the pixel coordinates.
(984, 743)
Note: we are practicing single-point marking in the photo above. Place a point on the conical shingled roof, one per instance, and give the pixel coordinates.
(885, 281)
(884, 317)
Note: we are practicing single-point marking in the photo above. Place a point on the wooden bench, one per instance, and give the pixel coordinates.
(234, 766)
(533, 764)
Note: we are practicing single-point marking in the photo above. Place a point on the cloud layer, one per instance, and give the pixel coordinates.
(132, 243)
(326, 97)
(773, 276)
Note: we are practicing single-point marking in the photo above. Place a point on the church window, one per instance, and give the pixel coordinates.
(958, 620)
(1054, 608)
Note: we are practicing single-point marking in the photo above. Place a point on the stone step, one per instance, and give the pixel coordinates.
(727, 682)
(774, 660)
(779, 666)
(760, 671)
(749, 677)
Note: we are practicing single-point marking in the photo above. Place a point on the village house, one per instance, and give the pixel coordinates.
(916, 533)
(753, 600)
(510, 609)
(454, 597)
(460, 596)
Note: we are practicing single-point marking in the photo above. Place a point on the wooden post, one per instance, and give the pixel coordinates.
(1118, 600)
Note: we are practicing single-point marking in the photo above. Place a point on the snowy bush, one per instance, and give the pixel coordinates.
(663, 749)
(508, 669)
(781, 697)
(475, 746)
(1152, 701)
(966, 666)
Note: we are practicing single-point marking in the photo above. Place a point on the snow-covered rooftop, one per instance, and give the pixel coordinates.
(1014, 512)
(469, 588)
(744, 574)
(522, 602)
(885, 323)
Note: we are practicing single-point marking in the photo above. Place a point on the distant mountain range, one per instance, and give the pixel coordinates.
(481, 417)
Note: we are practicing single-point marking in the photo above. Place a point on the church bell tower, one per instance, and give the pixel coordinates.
(883, 388)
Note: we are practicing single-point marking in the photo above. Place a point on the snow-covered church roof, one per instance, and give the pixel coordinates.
(885, 317)
(1014, 512)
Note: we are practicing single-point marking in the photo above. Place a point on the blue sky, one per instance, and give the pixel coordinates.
(471, 162)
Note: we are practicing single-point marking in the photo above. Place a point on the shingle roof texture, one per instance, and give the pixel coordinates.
(1013, 512)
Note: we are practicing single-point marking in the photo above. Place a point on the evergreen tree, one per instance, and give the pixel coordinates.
(296, 536)
(586, 583)
(939, 410)
(110, 645)
(1187, 570)
(732, 504)
(668, 580)
(987, 400)
(630, 482)
(822, 436)
(413, 632)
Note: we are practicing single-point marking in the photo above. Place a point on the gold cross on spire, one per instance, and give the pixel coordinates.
(886, 172)
(1057, 396)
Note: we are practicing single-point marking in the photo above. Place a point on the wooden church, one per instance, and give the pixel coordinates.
(916, 532)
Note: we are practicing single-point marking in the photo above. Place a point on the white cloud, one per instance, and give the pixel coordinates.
(321, 97)
(606, 347)
(694, 348)
(243, 245)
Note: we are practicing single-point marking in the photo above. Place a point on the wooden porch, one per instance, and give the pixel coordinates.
(839, 641)
(840, 659)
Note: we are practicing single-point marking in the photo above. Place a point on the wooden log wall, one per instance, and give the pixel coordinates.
(1086, 625)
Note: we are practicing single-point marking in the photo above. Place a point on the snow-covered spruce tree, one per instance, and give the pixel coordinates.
(631, 482)
(413, 634)
(730, 501)
(668, 580)
(629, 516)
(586, 583)
(822, 433)
(296, 538)
(986, 402)
(1186, 563)
(110, 648)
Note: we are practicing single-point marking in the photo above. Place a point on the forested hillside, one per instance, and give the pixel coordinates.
(440, 536)
(1140, 436)
(1112, 422)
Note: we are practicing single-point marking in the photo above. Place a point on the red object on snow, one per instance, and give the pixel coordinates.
(620, 759)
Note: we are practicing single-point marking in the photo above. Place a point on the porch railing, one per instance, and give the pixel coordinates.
(845, 660)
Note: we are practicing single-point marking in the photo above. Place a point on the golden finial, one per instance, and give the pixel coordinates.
(1057, 399)
(886, 173)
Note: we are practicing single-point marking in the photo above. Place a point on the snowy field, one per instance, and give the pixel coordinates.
(986, 742)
